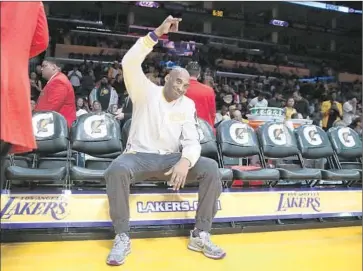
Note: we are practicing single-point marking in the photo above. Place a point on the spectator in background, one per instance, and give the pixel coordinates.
(301, 104)
(237, 115)
(259, 101)
(88, 83)
(276, 100)
(222, 115)
(113, 71)
(96, 107)
(119, 86)
(317, 116)
(349, 110)
(153, 75)
(75, 76)
(38, 71)
(36, 86)
(332, 111)
(24, 35)
(202, 95)
(58, 94)
(32, 105)
(82, 107)
(113, 109)
(356, 125)
(104, 93)
(289, 109)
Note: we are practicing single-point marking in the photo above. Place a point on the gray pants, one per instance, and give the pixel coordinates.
(129, 168)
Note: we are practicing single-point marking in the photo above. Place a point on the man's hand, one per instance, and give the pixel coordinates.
(179, 174)
(120, 116)
(170, 24)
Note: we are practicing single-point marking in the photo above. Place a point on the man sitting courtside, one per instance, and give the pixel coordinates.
(163, 120)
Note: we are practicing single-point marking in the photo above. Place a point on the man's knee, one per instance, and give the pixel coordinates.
(117, 172)
(209, 167)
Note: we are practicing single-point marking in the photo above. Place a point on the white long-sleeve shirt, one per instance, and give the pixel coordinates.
(157, 125)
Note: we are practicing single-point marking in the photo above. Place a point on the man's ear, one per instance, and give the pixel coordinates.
(167, 77)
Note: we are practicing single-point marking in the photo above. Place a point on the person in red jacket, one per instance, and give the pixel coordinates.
(58, 94)
(24, 35)
(202, 95)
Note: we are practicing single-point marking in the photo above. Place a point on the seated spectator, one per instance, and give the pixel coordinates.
(35, 85)
(104, 93)
(113, 109)
(289, 109)
(82, 107)
(258, 101)
(237, 115)
(356, 125)
(223, 114)
(96, 107)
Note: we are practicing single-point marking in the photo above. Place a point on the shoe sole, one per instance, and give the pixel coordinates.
(115, 263)
(196, 249)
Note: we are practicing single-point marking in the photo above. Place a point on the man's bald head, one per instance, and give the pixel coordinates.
(237, 115)
(176, 84)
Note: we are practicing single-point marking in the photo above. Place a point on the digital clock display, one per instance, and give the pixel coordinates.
(217, 13)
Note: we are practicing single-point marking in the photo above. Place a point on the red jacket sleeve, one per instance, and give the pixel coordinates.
(212, 106)
(41, 35)
(53, 97)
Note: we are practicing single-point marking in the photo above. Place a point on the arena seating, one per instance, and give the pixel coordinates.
(99, 137)
(278, 141)
(351, 151)
(314, 143)
(53, 156)
(238, 140)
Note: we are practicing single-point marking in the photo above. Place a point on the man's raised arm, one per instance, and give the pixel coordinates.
(136, 82)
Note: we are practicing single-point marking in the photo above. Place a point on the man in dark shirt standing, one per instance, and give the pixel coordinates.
(301, 104)
(276, 101)
(202, 95)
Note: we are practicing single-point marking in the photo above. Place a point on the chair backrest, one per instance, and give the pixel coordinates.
(237, 139)
(50, 131)
(276, 140)
(313, 142)
(97, 134)
(346, 142)
(207, 140)
(125, 132)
